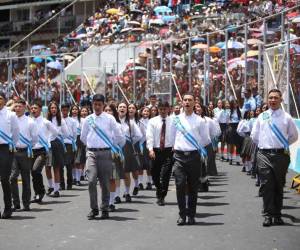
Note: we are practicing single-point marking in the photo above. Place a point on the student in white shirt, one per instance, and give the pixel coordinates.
(23, 156)
(9, 131)
(273, 132)
(144, 156)
(160, 145)
(56, 156)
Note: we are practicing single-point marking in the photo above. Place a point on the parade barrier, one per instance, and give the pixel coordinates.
(295, 160)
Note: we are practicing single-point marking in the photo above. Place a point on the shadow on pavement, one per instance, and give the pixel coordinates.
(139, 202)
(53, 202)
(19, 217)
(144, 197)
(290, 207)
(208, 197)
(201, 223)
(291, 217)
(117, 218)
(125, 210)
(212, 204)
(205, 215)
(40, 210)
(218, 184)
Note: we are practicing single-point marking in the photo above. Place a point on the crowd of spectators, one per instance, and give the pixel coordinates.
(166, 50)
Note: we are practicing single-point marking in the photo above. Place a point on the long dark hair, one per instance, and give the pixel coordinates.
(71, 109)
(58, 114)
(127, 115)
(114, 110)
(136, 115)
(232, 103)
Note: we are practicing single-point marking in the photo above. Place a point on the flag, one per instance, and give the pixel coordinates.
(295, 151)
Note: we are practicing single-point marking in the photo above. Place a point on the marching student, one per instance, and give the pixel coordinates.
(234, 141)
(41, 149)
(273, 132)
(76, 171)
(190, 138)
(23, 156)
(56, 155)
(118, 161)
(222, 117)
(160, 144)
(100, 134)
(144, 155)
(9, 135)
(131, 161)
(70, 145)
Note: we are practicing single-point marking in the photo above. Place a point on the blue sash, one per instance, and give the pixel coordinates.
(141, 145)
(24, 140)
(116, 150)
(44, 143)
(9, 141)
(279, 136)
(202, 151)
(61, 139)
(74, 146)
(78, 131)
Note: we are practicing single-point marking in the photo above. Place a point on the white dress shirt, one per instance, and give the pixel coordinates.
(223, 116)
(45, 129)
(213, 127)
(9, 125)
(234, 118)
(63, 129)
(143, 123)
(78, 125)
(217, 112)
(28, 129)
(196, 126)
(154, 130)
(136, 134)
(72, 130)
(108, 124)
(263, 135)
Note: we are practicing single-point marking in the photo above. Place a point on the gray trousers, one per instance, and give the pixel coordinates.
(99, 167)
(21, 165)
(272, 169)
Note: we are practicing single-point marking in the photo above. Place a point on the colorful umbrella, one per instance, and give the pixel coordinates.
(250, 53)
(134, 23)
(254, 41)
(200, 46)
(54, 65)
(296, 20)
(37, 59)
(112, 11)
(233, 45)
(214, 49)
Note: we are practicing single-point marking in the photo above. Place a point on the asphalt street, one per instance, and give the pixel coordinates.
(228, 217)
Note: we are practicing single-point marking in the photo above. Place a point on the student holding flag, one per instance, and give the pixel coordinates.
(9, 134)
(190, 138)
(273, 132)
(23, 156)
(100, 133)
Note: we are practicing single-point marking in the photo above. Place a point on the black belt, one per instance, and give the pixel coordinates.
(186, 153)
(38, 150)
(98, 149)
(21, 149)
(162, 150)
(273, 151)
(4, 146)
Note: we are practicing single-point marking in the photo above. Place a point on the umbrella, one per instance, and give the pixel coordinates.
(231, 28)
(134, 23)
(37, 47)
(81, 36)
(49, 59)
(233, 45)
(54, 65)
(292, 14)
(296, 20)
(220, 44)
(37, 59)
(138, 68)
(235, 63)
(296, 47)
(112, 11)
(198, 39)
(250, 53)
(136, 11)
(68, 57)
(162, 9)
(163, 31)
(126, 30)
(214, 49)
(200, 46)
(138, 30)
(254, 41)
(156, 22)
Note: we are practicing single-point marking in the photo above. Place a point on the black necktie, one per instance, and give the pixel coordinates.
(162, 135)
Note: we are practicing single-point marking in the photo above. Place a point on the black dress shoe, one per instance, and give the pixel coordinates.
(26, 208)
(278, 221)
(74, 181)
(16, 207)
(62, 186)
(267, 222)
(93, 214)
(243, 169)
(238, 163)
(78, 184)
(50, 190)
(191, 221)
(230, 162)
(257, 184)
(160, 202)
(38, 198)
(181, 221)
(141, 186)
(111, 208)
(104, 215)
(81, 178)
(149, 186)
(69, 187)
(117, 200)
(135, 191)
(55, 194)
(7, 214)
(127, 198)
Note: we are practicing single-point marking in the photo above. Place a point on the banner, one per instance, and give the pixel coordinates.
(295, 151)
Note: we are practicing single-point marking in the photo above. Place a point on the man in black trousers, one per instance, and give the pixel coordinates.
(160, 145)
(9, 135)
